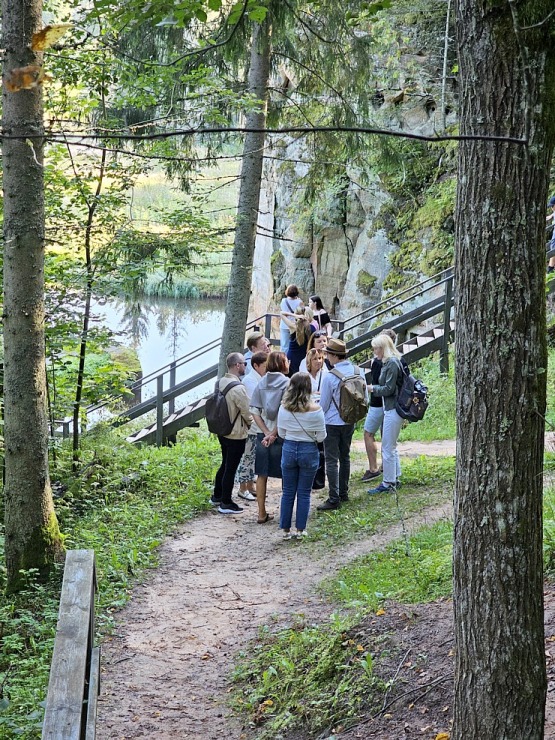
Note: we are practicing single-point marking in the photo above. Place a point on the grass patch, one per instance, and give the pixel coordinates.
(414, 571)
(307, 675)
(427, 482)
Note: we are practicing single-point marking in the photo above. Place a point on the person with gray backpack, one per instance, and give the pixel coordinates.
(228, 416)
(344, 401)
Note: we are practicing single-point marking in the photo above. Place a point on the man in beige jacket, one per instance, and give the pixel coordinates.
(233, 444)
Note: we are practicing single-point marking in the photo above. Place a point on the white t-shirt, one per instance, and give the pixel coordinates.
(317, 381)
(250, 382)
(298, 426)
(288, 304)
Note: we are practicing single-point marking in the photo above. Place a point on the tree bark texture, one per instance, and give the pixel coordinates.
(32, 535)
(507, 76)
(238, 294)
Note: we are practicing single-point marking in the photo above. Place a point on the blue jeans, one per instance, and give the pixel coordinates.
(337, 449)
(299, 463)
(284, 336)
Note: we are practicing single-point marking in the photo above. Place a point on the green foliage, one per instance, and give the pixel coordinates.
(365, 282)
(123, 503)
(308, 676)
(416, 572)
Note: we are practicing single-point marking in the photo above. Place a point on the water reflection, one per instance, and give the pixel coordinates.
(162, 330)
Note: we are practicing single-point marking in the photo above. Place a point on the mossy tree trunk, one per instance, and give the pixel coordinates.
(31, 529)
(238, 293)
(507, 74)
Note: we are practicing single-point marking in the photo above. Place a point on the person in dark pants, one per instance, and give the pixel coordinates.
(337, 445)
(233, 444)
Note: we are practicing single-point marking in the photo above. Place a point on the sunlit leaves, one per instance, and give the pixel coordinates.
(48, 36)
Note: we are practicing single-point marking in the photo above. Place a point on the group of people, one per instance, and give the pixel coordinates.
(288, 423)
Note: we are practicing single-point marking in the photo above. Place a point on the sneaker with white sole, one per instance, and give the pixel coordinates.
(214, 501)
(247, 495)
(230, 508)
(288, 535)
(302, 533)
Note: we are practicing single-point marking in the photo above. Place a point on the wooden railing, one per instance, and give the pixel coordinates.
(74, 685)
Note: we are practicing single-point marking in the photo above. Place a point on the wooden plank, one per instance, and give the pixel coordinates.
(94, 691)
(63, 716)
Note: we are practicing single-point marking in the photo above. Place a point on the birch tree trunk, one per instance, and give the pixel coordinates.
(238, 294)
(31, 529)
(507, 75)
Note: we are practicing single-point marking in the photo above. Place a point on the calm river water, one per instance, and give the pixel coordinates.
(163, 330)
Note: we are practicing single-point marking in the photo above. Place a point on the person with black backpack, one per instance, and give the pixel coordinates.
(388, 388)
(231, 423)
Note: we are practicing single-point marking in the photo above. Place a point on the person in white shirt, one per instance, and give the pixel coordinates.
(288, 304)
(301, 425)
(245, 476)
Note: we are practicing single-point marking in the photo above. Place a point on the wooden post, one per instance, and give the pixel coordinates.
(171, 404)
(68, 693)
(159, 410)
(444, 352)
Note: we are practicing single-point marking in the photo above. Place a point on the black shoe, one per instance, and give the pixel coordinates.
(215, 501)
(328, 506)
(230, 508)
(343, 498)
(369, 474)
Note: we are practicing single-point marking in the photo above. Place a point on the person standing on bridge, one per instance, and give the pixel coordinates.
(233, 444)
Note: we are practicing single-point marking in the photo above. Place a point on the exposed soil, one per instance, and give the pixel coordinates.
(166, 668)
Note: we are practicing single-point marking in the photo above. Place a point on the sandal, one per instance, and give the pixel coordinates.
(266, 519)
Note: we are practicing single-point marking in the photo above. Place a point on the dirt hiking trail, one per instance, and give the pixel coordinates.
(166, 667)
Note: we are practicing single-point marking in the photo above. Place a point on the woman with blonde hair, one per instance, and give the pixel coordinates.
(316, 368)
(301, 330)
(388, 389)
(302, 426)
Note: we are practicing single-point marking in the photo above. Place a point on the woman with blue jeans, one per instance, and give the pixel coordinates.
(301, 425)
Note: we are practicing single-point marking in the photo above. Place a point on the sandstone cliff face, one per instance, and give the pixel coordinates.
(346, 258)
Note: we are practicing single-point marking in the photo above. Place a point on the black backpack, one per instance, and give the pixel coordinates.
(217, 411)
(412, 397)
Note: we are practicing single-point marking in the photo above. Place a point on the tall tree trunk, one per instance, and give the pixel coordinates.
(507, 78)
(238, 294)
(32, 534)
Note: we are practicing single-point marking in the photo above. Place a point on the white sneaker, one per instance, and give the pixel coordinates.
(302, 533)
(247, 495)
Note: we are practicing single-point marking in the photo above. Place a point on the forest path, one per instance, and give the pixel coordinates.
(165, 668)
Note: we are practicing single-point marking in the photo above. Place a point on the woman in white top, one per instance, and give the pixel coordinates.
(301, 425)
(316, 368)
(288, 305)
